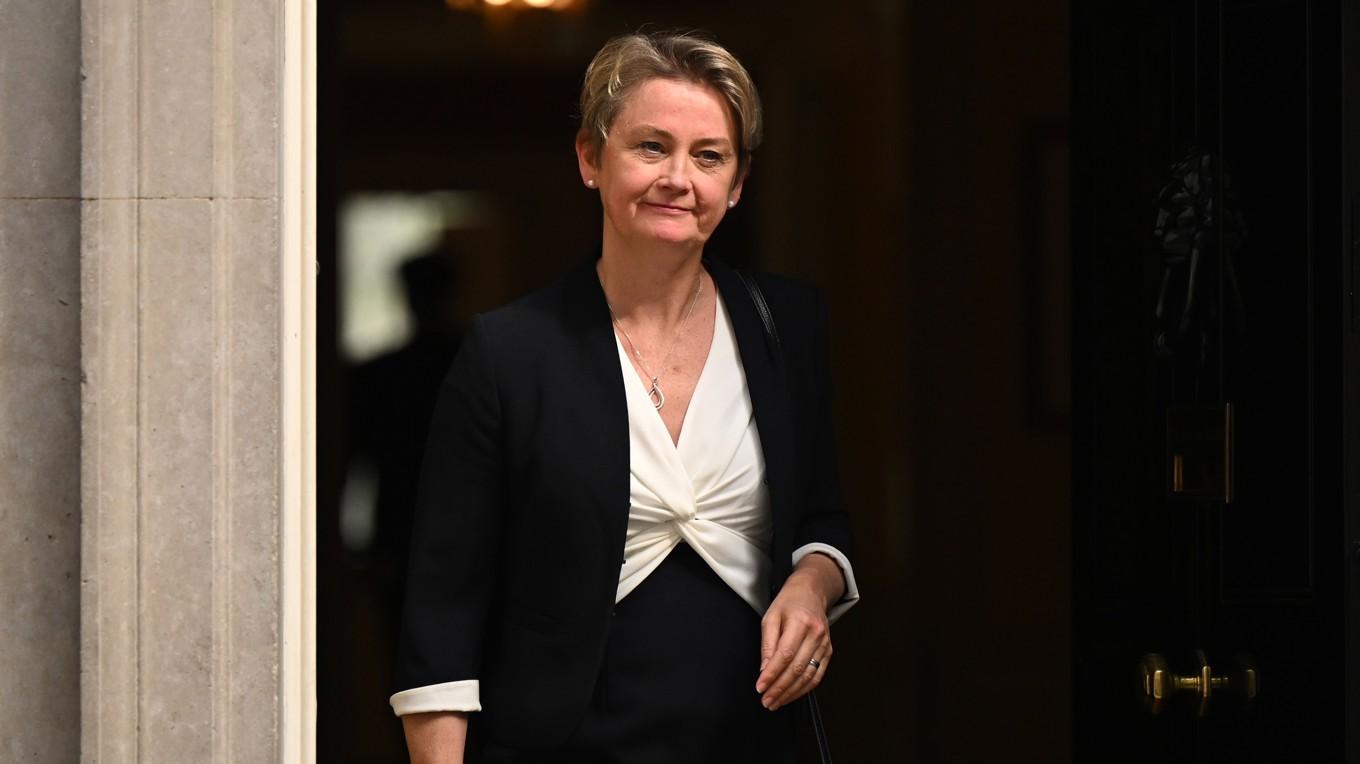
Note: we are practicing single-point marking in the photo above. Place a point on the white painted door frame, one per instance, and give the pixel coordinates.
(298, 415)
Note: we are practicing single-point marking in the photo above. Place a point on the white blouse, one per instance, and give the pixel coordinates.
(707, 490)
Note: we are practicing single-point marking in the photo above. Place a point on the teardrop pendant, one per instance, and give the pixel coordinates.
(658, 397)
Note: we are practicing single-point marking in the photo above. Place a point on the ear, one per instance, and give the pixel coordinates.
(586, 159)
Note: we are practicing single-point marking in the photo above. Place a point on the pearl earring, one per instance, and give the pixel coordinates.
(731, 204)
(590, 183)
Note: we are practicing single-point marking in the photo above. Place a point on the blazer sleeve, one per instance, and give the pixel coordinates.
(824, 521)
(458, 526)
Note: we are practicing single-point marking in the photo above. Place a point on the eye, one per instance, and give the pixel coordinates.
(710, 158)
(650, 148)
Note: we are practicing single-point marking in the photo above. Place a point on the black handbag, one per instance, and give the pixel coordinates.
(777, 351)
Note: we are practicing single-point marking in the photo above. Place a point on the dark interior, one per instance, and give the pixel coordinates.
(916, 169)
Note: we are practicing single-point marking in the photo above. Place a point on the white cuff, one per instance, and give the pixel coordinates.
(851, 590)
(463, 695)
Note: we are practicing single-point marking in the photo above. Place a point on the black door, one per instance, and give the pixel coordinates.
(1215, 332)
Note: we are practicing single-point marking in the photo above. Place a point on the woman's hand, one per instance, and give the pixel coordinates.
(795, 632)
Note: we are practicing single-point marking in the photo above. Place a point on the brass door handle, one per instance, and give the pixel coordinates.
(1160, 683)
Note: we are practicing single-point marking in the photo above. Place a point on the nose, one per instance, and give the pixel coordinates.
(675, 175)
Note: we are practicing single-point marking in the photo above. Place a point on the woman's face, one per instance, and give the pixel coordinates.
(667, 169)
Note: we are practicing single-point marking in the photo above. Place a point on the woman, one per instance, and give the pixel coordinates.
(629, 543)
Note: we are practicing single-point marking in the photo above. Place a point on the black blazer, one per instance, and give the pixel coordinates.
(523, 503)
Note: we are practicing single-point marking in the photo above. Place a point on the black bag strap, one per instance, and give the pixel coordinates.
(818, 728)
(766, 315)
(777, 351)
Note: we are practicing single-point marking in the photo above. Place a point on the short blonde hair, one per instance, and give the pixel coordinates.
(625, 62)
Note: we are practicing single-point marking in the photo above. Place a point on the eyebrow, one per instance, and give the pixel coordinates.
(649, 128)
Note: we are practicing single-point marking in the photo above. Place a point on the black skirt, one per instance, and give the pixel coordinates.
(677, 684)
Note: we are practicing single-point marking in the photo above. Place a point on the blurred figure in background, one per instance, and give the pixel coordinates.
(392, 401)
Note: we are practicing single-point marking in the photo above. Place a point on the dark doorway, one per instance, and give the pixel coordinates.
(915, 168)
(1215, 382)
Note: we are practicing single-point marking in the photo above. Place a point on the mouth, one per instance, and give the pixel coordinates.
(667, 208)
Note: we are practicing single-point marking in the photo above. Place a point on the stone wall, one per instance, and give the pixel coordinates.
(154, 432)
(39, 379)
(182, 351)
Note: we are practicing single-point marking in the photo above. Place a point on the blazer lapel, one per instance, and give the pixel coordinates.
(769, 398)
(588, 316)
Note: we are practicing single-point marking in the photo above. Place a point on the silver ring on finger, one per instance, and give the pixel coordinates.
(815, 664)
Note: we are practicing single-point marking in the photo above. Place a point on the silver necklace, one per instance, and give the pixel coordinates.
(654, 392)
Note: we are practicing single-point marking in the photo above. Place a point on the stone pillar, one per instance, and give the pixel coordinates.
(39, 379)
(195, 453)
